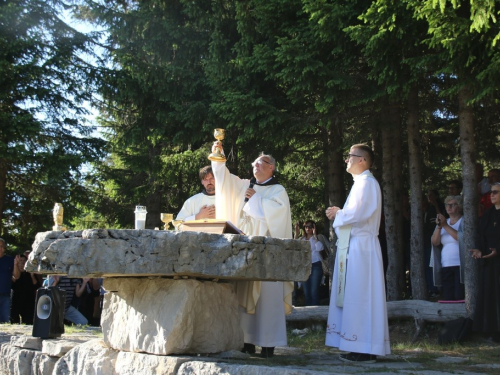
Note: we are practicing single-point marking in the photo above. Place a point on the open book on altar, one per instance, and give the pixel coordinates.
(210, 226)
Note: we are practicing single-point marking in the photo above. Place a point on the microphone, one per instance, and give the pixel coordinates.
(252, 182)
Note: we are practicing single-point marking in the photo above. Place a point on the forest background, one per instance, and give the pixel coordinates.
(300, 79)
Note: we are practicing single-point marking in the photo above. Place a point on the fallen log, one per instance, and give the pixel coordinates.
(416, 309)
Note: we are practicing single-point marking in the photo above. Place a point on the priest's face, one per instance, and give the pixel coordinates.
(355, 161)
(262, 169)
(209, 183)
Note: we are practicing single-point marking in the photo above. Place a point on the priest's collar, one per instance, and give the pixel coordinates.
(270, 181)
(366, 172)
(204, 191)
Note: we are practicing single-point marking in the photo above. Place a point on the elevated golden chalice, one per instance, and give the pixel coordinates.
(177, 224)
(166, 218)
(217, 155)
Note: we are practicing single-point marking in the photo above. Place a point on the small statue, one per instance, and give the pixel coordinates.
(58, 213)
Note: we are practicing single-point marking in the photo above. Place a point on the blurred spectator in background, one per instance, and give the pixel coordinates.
(312, 285)
(483, 186)
(485, 201)
(74, 288)
(23, 295)
(8, 271)
(447, 252)
(432, 206)
(487, 311)
(455, 187)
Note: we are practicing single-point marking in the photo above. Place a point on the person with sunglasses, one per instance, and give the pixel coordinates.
(357, 316)
(311, 286)
(486, 314)
(448, 250)
(259, 207)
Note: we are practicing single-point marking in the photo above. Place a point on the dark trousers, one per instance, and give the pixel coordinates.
(22, 313)
(453, 290)
(311, 286)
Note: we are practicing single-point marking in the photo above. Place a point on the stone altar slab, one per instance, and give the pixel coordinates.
(164, 316)
(135, 253)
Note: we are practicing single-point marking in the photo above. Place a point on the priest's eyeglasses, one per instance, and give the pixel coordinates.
(349, 155)
(451, 205)
(259, 162)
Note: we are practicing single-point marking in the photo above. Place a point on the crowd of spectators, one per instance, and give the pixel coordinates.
(83, 304)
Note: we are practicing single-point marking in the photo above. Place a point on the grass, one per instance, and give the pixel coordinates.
(476, 350)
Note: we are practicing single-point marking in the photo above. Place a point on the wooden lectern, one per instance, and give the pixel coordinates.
(210, 226)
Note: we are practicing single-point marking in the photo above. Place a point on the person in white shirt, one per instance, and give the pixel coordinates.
(311, 286)
(447, 253)
(201, 205)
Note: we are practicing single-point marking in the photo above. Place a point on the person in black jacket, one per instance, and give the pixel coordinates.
(487, 312)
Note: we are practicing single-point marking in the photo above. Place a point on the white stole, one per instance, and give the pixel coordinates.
(342, 251)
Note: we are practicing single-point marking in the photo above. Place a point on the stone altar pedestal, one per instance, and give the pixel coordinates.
(162, 295)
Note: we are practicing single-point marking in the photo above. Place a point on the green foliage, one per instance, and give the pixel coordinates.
(44, 82)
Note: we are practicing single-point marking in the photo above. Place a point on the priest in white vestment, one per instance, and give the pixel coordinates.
(259, 207)
(201, 205)
(357, 316)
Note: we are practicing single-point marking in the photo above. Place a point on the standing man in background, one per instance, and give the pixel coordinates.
(259, 207)
(9, 270)
(201, 205)
(357, 317)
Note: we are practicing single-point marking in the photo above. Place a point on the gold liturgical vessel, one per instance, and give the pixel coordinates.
(218, 155)
(166, 218)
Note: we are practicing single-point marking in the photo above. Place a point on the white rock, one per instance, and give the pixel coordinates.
(16, 360)
(196, 368)
(58, 347)
(128, 363)
(91, 358)
(164, 316)
(108, 253)
(42, 364)
(26, 342)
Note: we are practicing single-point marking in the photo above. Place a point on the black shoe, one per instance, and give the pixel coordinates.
(267, 352)
(248, 348)
(358, 358)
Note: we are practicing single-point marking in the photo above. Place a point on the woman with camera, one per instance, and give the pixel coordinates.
(447, 250)
(311, 286)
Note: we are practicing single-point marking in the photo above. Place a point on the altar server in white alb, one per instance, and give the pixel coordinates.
(201, 205)
(259, 207)
(357, 317)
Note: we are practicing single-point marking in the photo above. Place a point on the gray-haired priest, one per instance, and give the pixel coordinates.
(357, 317)
(259, 207)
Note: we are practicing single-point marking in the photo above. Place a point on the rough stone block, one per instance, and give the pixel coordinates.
(128, 363)
(42, 364)
(91, 358)
(195, 367)
(26, 342)
(16, 361)
(164, 316)
(58, 347)
(108, 253)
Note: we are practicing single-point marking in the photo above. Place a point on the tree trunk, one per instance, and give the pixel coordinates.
(394, 269)
(3, 186)
(335, 167)
(470, 204)
(417, 273)
(400, 201)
